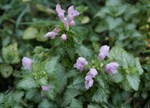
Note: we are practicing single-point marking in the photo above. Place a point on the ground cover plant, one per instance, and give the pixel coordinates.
(75, 54)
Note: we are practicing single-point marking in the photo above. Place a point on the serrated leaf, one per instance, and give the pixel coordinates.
(6, 70)
(139, 67)
(100, 81)
(78, 83)
(30, 33)
(113, 23)
(69, 95)
(61, 77)
(1, 98)
(93, 106)
(75, 104)
(18, 95)
(27, 83)
(126, 60)
(134, 81)
(46, 104)
(101, 27)
(31, 93)
(84, 51)
(50, 66)
(118, 77)
(100, 96)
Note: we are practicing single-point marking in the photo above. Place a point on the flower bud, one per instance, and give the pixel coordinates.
(45, 88)
(104, 51)
(63, 37)
(111, 67)
(27, 63)
(80, 63)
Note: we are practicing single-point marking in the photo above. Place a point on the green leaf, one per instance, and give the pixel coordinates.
(61, 75)
(27, 83)
(40, 36)
(70, 94)
(46, 104)
(1, 98)
(10, 54)
(113, 23)
(118, 77)
(100, 81)
(100, 96)
(50, 66)
(75, 104)
(6, 70)
(18, 95)
(30, 33)
(93, 106)
(139, 67)
(78, 83)
(84, 51)
(101, 27)
(31, 93)
(129, 63)
(134, 81)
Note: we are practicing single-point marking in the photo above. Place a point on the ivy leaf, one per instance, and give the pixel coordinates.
(30, 33)
(134, 81)
(10, 54)
(27, 83)
(6, 70)
(50, 66)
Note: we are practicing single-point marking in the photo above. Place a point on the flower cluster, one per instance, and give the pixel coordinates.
(67, 21)
(27, 63)
(110, 67)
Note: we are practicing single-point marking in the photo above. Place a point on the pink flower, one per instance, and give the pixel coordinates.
(72, 23)
(104, 51)
(27, 63)
(60, 12)
(111, 67)
(63, 37)
(51, 35)
(66, 23)
(88, 81)
(93, 72)
(56, 30)
(80, 63)
(72, 13)
(45, 88)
